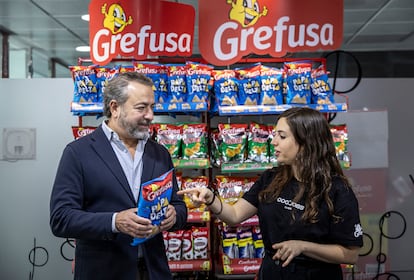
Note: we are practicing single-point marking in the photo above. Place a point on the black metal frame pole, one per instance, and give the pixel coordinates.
(5, 55)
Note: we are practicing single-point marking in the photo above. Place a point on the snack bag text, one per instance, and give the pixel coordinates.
(154, 200)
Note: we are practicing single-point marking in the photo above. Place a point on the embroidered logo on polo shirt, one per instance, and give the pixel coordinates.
(289, 204)
(358, 230)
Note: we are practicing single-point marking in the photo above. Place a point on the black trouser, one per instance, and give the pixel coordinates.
(299, 270)
(142, 273)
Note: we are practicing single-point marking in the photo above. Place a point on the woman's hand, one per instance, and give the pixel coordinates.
(287, 250)
(198, 196)
(330, 253)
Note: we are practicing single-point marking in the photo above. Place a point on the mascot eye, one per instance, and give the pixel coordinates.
(116, 13)
(256, 7)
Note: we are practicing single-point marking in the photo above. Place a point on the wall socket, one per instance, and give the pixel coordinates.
(19, 143)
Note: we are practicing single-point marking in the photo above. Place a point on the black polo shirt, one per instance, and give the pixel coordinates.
(277, 224)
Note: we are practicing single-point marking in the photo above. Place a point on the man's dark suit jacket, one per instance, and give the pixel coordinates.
(90, 186)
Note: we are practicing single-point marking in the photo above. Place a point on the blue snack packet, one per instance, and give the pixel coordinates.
(249, 84)
(154, 200)
(225, 87)
(198, 82)
(177, 83)
(84, 78)
(321, 90)
(298, 80)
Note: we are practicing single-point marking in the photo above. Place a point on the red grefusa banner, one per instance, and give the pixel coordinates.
(231, 29)
(140, 28)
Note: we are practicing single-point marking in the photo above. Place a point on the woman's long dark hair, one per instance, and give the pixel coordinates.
(316, 162)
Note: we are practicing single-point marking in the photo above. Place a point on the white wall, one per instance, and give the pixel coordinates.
(44, 104)
(396, 97)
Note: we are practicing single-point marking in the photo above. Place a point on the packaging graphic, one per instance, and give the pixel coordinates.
(154, 200)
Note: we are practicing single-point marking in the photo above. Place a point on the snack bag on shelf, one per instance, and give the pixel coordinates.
(175, 241)
(241, 241)
(78, 132)
(159, 75)
(233, 142)
(226, 87)
(189, 183)
(340, 137)
(272, 133)
(258, 147)
(198, 80)
(85, 89)
(249, 84)
(200, 242)
(169, 135)
(126, 68)
(179, 176)
(103, 76)
(245, 242)
(229, 241)
(187, 248)
(298, 81)
(259, 250)
(177, 86)
(321, 89)
(194, 141)
(216, 157)
(271, 80)
(165, 237)
(248, 183)
(230, 188)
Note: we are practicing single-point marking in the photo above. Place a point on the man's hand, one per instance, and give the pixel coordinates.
(170, 218)
(130, 223)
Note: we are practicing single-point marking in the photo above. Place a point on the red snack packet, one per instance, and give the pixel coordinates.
(78, 131)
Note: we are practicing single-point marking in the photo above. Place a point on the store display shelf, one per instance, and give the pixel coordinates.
(240, 266)
(278, 109)
(235, 276)
(85, 108)
(183, 107)
(198, 217)
(258, 167)
(201, 163)
(246, 167)
(190, 265)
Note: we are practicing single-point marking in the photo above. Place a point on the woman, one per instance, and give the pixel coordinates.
(308, 213)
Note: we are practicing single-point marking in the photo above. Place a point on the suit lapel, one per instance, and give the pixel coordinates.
(104, 150)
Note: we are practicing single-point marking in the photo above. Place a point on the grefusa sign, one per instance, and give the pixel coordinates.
(231, 29)
(138, 29)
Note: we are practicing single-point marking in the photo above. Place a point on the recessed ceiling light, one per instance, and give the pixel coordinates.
(85, 17)
(83, 49)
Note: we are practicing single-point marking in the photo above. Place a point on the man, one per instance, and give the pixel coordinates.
(97, 185)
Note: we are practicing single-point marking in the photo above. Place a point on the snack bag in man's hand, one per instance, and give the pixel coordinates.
(154, 200)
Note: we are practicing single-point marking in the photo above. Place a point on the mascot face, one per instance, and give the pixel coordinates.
(115, 19)
(246, 12)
